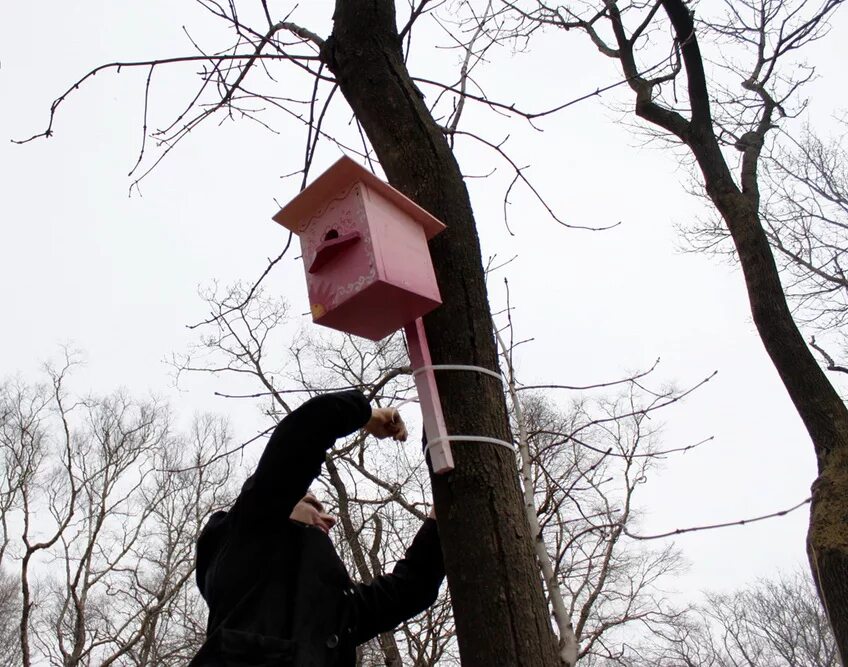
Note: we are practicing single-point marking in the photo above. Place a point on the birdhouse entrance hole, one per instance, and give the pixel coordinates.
(331, 247)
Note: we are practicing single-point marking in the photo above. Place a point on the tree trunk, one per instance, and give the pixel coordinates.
(500, 612)
(821, 409)
(823, 412)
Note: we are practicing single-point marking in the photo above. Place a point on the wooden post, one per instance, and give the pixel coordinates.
(428, 395)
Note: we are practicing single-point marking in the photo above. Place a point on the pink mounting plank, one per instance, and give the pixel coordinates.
(428, 395)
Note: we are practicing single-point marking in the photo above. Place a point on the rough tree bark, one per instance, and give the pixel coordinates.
(501, 615)
(822, 410)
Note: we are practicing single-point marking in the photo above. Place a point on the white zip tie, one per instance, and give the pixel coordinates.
(448, 367)
(470, 438)
(464, 438)
(457, 367)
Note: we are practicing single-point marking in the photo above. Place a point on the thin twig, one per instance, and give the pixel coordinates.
(271, 264)
(741, 522)
(118, 66)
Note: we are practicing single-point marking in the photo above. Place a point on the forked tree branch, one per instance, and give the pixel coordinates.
(118, 66)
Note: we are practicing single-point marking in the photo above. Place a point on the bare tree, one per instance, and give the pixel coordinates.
(803, 209)
(806, 215)
(714, 119)
(102, 528)
(777, 622)
(189, 479)
(581, 467)
(589, 465)
(10, 614)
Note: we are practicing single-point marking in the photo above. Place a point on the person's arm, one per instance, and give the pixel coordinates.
(293, 456)
(412, 587)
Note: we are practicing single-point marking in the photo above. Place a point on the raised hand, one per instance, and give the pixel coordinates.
(386, 423)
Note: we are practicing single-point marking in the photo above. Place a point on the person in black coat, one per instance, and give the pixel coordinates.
(277, 591)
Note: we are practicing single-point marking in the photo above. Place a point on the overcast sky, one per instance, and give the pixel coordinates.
(81, 262)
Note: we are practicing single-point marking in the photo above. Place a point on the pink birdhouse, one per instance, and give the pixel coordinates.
(364, 247)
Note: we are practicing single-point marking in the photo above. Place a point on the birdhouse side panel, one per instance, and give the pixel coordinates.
(401, 253)
(337, 252)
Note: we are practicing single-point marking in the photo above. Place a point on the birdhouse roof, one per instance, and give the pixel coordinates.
(343, 173)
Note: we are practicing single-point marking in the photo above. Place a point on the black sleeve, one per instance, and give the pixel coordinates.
(412, 587)
(293, 456)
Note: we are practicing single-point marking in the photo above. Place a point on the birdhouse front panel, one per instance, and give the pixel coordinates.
(337, 252)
